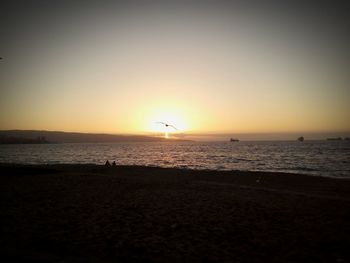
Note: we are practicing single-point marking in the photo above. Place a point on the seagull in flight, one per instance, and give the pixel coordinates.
(167, 125)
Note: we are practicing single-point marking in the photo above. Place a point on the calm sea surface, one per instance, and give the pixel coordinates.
(326, 158)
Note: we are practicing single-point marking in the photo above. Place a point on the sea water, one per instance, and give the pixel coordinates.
(325, 158)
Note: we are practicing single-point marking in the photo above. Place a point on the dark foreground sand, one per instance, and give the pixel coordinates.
(87, 213)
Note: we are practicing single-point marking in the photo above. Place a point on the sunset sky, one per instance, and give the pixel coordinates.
(203, 66)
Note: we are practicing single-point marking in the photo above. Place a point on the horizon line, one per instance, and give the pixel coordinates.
(286, 135)
(209, 133)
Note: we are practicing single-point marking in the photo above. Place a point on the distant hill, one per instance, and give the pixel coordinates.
(33, 136)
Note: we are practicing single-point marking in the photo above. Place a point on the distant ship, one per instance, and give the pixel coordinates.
(334, 139)
(301, 139)
(234, 140)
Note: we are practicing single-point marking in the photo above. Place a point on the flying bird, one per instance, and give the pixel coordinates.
(167, 125)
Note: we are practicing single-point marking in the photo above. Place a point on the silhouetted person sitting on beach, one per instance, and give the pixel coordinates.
(114, 164)
(107, 163)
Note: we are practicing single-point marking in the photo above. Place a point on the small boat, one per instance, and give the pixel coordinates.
(301, 139)
(234, 140)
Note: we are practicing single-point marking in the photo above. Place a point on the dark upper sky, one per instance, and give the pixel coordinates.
(327, 18)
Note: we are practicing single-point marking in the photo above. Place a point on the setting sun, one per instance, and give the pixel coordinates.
(167, 122)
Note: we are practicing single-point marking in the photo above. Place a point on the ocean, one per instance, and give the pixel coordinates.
(324, 158)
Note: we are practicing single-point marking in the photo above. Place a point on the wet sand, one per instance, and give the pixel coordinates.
(89, 213)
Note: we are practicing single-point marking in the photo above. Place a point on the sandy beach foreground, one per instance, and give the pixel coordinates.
(89, 213)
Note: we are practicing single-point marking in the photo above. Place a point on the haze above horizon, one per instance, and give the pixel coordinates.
(128, 67)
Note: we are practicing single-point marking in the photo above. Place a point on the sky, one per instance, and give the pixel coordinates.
(206, 67)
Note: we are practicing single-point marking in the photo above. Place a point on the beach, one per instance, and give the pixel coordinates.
(93, 213)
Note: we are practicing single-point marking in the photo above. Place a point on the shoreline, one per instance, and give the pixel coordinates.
(287, 181)
(82, 165)
(79, 213)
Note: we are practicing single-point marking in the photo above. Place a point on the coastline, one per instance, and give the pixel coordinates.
(133, 213)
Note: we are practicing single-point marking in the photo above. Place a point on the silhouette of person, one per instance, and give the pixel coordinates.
(107, 163)
(114, 164)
